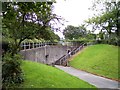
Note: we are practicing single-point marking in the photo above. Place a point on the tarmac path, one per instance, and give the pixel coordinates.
(99, 82)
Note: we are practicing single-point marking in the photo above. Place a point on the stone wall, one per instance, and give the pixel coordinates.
(46, 54)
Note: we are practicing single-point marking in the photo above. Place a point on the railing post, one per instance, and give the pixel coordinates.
(39, 44)
(66, 62)
(29, 45)
(45, 44)
(79, 48)
(60, 61)
(36, 45)
(33, 44)
(24, 46)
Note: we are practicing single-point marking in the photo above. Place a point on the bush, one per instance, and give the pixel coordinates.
(5, 46)
(12, 74)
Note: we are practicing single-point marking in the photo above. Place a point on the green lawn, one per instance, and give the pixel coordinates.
(99, 59)
(42, 76)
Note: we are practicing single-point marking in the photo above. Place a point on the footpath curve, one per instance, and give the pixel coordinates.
(99, 82)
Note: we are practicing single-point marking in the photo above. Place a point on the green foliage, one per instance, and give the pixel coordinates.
(72, 32)
(39, 75)
(27, 20)
(108, 21)
(20, 21)
(28, 40)
(87, 38)
(99, 59)
(12, 74)
(53, 38)
(48, 35)
(79, 34)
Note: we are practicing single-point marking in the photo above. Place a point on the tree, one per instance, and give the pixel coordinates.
(23, 20)
(72, 32)
(26, 20)
(48, 34)
(108, 21)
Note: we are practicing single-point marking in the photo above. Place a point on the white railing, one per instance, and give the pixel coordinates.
(30, 45)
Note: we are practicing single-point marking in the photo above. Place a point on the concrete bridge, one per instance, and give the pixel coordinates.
(50, 54)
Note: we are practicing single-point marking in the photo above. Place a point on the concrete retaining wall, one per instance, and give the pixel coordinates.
(46, 54)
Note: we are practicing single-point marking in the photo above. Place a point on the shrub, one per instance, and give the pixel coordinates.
(12, 74)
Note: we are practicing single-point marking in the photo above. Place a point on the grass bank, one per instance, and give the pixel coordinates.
(42, 76)
(99, 59)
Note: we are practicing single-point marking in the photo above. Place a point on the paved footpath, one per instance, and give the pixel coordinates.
(97, 81)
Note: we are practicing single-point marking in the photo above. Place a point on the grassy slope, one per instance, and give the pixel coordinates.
(42, 76)
(99, 59)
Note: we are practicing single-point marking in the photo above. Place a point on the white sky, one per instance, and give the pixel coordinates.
(73, 11)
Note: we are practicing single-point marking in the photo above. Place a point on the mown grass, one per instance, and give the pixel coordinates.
(42, 76)
(99, 59)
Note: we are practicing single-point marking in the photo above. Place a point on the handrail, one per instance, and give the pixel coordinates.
(58, 62)
(29, 45)
(63, 60)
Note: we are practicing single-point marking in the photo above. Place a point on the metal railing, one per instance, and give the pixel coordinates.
(29, 45)
(64, 59)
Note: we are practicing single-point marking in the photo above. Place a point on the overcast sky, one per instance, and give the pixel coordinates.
(73, 11)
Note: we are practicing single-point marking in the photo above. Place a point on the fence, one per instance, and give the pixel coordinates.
(29, 45)
(63, 60)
